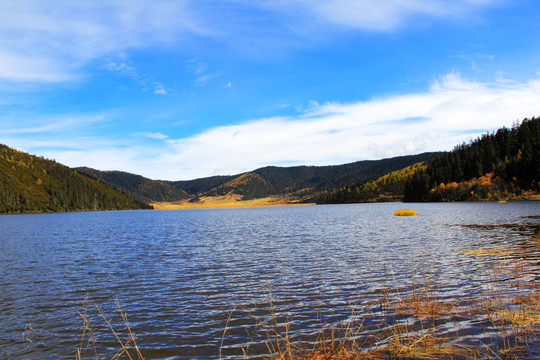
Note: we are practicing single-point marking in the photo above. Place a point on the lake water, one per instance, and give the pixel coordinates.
(181, 275)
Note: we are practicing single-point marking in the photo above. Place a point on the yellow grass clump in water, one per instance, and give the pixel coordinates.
(492, 251)
(405, 212)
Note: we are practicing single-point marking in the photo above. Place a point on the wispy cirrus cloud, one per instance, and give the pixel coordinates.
(41, 125)
(380, 16)
(50, 41)
(61, 36)
(146, 82)
(201, 72)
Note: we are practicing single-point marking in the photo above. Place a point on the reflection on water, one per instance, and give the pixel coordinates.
(179, 274)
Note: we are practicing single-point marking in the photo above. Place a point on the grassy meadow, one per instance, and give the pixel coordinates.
(226, 201)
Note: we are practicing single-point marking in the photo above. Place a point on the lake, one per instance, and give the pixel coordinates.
(184, 276)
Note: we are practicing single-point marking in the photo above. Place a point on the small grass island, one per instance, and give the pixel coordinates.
(405, 212)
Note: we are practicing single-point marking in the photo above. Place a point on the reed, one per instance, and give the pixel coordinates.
(421, 323)
(126, 348)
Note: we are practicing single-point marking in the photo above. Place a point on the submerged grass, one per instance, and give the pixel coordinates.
(492, 251)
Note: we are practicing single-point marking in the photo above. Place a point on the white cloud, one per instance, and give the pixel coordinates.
(145, 82)
(120, 67)
(155, 135)
(159, 89)
(17, 67)
(107, 157)
(385, 15)
(452, 111)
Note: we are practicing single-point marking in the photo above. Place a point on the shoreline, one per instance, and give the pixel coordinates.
(236, 201)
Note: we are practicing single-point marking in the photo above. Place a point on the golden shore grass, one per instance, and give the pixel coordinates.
(416, 321)
(414, 330)
(227, 201)
(405, 212)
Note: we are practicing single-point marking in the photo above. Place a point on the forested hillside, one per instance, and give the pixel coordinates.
(139, 187)
(202, 185)
(389, 187)
(500, 165)
(29, 184)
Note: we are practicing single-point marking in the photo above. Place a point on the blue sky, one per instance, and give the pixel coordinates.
(191, 88)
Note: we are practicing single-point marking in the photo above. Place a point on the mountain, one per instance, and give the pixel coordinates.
(307, 181)
(299, 182)
(501, 165)
(30, 184)
(139, 187)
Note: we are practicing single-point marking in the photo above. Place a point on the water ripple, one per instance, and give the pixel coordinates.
(182, 275)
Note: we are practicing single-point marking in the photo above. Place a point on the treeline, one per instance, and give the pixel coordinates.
(389, 187)
(33, 184)
(499, 165)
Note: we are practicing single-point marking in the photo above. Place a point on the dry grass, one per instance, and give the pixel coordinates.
(420, 323)
(127, 349)
(414, 329)
(227, 201)
(414, 324)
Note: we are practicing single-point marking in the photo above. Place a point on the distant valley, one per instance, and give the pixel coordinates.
(270, 185)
